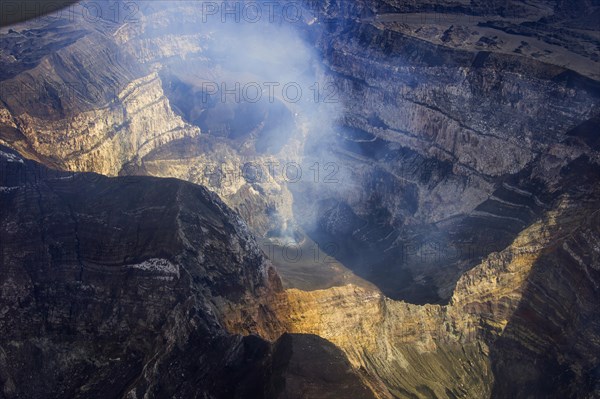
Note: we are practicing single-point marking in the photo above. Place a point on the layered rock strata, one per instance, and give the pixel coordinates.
(140, 287)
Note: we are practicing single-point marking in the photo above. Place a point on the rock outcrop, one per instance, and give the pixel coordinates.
(442, 153)
(136, 287)
(458, 149)
(523, 323)
(73, 99)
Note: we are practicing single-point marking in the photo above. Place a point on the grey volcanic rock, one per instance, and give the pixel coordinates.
(468, 143)
(130, 287)
(307, 366)
(455, 149)
(550, 346)
(104, 279)
(523, 323)
(448, 149)
(73, 99)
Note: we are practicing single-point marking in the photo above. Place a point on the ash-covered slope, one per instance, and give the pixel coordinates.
(128, 287)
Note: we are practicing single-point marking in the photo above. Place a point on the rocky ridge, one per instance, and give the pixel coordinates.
(79, 102)
(507, 331)
(107, 293)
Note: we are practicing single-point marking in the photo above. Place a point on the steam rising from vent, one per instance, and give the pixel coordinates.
(275, 59)
(251, 76)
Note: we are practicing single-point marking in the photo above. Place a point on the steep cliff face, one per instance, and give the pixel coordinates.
(555, 32)
(443, 152)
(135, 287)
(523, 323)
(105, 281)
(73, 99)
(125, 293)
(463, 188)
(459, 149)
